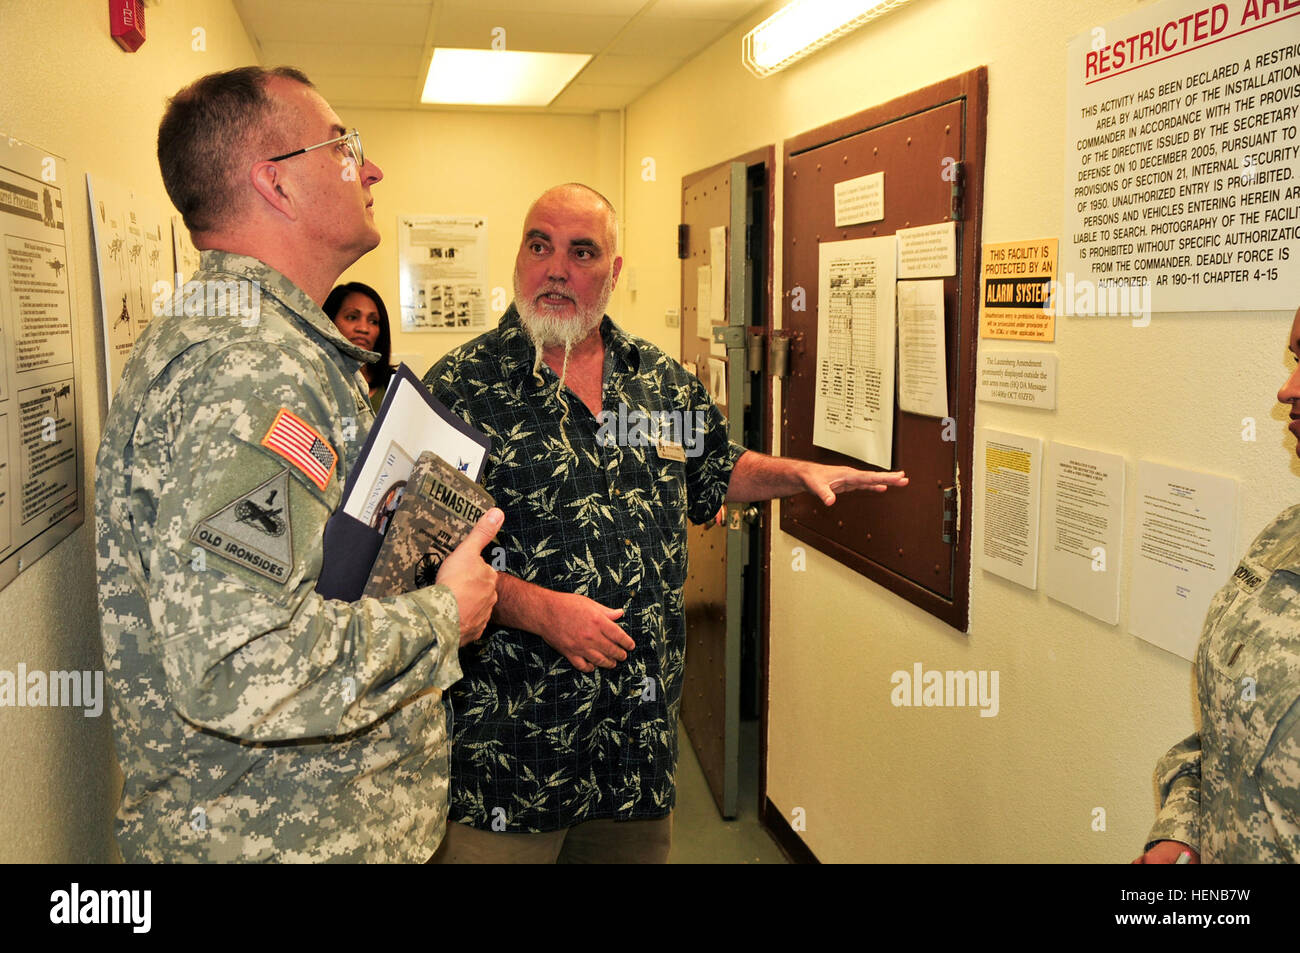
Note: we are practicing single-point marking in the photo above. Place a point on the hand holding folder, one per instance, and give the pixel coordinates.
(410, 422)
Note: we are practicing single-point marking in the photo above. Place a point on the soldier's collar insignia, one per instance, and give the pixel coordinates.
(298, 442)
(253, 530)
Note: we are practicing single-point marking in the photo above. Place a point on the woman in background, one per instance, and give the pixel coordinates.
(1230, 793)
(359, 314)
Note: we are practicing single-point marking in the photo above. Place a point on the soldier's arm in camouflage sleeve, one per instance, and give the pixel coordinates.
(255, 657)
(1178, 779)
(1279, 782)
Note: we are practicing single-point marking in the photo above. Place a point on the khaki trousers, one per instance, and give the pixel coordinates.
(602, 841)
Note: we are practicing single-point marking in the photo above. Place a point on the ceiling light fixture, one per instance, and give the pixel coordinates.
(803, 27)
(499, 77)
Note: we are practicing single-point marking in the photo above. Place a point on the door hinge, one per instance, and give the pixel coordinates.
(683, 241)
(778, 354)
(950, 514)
(958, 190)
(749, 241)
(754, 359)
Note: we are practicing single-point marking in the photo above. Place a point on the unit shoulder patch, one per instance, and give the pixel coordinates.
(253, 530)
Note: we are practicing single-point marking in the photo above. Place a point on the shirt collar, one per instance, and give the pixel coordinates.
(518, 351)
(294, 299)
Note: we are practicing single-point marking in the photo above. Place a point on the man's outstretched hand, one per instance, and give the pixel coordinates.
(825, 482)
(756, 476)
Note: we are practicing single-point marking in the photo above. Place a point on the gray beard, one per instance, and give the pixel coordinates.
(548, 330)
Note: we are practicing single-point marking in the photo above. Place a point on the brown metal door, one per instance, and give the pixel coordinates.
(714, 586)
(929, 145)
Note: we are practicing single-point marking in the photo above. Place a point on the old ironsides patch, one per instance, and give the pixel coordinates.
(253, 530)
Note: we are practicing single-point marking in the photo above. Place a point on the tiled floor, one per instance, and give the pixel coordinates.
(700, 835)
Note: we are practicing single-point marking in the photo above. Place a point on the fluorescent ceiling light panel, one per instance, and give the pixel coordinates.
(803, 27)
(499, 77)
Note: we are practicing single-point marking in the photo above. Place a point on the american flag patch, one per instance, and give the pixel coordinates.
(295, 440)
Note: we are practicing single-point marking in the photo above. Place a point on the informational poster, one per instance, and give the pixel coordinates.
(1017, 299)
(1022, 378)
(1013, 469)
(922, 349)
(1085, 529)
(1186, 550)
(853, 410)
(928, 251)
(860, 200)
(1182, 188)
(40, 437)
(443, 267)
(135, 257)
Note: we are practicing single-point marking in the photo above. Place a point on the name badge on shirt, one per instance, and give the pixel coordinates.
(668, 450)
(1248, 578)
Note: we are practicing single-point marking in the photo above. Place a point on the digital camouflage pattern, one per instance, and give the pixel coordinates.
(439, 507)
(254, 719)
(540, 746)
(1232, 791)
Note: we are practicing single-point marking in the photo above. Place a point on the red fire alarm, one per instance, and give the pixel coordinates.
(126, 23)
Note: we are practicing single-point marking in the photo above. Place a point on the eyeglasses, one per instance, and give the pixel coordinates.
(352, 137)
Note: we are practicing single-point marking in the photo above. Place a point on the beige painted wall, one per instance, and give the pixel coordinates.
(1086, 709)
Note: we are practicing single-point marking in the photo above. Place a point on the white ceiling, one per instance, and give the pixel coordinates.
(374, 54)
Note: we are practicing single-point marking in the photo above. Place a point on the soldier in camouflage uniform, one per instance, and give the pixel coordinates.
(255, 719)
(566, 720)
(1231, 792)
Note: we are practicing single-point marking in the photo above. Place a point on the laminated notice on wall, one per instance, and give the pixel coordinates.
(853, 409)
(1085, 529)
(860, 200)
(1013, 466)
(443, 272)
(928, 251)
(1182, 166)
(1186, 550)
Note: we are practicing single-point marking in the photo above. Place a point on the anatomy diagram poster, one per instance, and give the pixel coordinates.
(135, 257)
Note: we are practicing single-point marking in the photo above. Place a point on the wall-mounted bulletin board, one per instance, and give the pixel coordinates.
(882, 357)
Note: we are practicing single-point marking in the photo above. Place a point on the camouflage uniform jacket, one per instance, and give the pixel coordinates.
(254, 719)
(592, 507)
(1232, 791)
